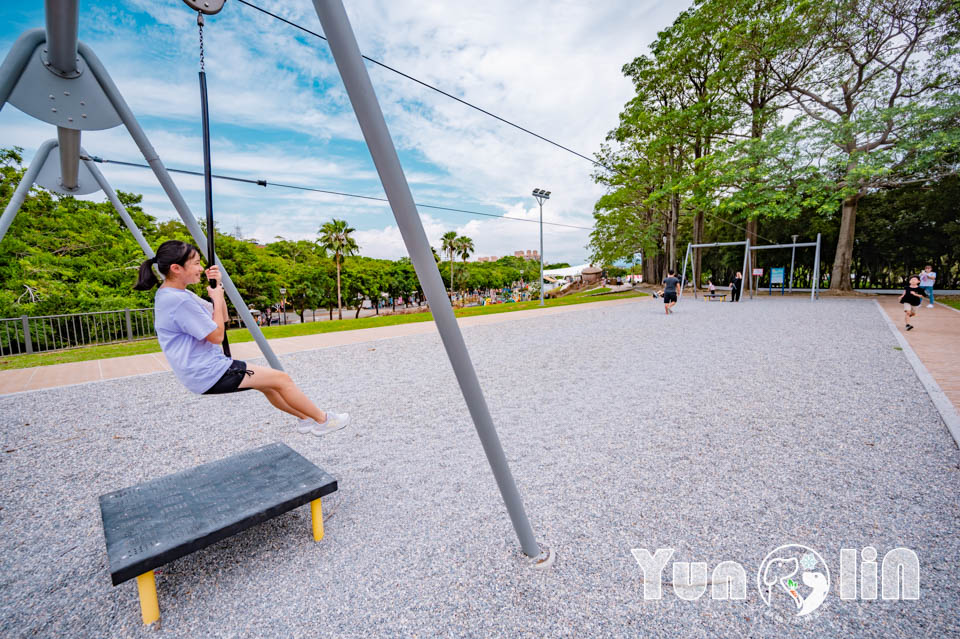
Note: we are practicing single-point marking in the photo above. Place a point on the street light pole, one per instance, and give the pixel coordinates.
(541, 195)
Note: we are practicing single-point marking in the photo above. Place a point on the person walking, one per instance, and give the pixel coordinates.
(911, 299)
(670, 291)
(928, 278)
(735, 286)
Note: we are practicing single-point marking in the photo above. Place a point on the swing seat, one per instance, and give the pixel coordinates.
(154, 523)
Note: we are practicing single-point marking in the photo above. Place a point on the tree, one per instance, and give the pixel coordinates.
(448, 244)
(335, 238)
(876, 81)
(464, 247)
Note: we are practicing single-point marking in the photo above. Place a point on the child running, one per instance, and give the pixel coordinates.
(911, 299)
(190, 331)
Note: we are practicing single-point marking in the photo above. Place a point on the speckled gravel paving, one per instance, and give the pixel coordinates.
(722, 431)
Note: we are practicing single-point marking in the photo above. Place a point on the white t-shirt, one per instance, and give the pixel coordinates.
(183, 322)
(927, 279)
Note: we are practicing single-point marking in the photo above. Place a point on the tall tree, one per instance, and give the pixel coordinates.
(448, 244)
(464, 249)
(876, 80)
(334, 237)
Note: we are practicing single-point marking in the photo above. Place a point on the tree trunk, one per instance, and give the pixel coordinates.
(359, 307)
(840, 276)
(339, 301)
(652, 267)
(672, 234)
(331, 312)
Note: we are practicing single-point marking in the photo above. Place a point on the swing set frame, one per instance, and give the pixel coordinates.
(748, 263)
(52, 76)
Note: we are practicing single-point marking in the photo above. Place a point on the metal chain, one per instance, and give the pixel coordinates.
(200, 24)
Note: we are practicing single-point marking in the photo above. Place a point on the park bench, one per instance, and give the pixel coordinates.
(156, 522)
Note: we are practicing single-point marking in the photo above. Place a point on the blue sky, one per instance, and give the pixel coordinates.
(279, 111)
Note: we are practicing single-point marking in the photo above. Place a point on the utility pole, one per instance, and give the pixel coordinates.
(541, 195)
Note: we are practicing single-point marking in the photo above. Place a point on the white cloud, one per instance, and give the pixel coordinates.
(279, 111)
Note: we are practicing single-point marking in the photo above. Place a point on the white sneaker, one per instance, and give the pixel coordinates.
(929, 305)
(306, 425)
(335, 421)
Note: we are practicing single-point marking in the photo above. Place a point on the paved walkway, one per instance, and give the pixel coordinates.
(38, 377)
(936, 341)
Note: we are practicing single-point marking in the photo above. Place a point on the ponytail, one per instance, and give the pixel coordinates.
(147, 279)
(170, 252)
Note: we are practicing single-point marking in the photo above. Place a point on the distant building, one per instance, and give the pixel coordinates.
(528, 255)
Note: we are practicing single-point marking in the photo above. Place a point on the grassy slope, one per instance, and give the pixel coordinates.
(239, 335)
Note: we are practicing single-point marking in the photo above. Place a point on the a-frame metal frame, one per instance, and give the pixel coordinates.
(85, 98)
(748, 263)
(26, 73)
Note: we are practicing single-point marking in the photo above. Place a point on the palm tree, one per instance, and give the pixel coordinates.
(335, 237)
(449, 246)
(464, 249)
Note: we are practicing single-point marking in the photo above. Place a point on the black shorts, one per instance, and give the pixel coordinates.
(669, 297)
(229, 382)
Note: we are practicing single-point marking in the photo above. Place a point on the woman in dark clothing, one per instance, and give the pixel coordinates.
(735, 286)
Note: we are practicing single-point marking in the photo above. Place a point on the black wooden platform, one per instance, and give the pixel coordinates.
(153, 523)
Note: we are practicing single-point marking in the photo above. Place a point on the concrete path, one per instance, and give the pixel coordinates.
(39, 377)
(936, 341)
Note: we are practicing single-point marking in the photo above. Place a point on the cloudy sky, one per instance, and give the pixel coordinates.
(279, 111)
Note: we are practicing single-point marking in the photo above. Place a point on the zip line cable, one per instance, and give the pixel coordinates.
(481, 110)
(430, 86)
(265, 183)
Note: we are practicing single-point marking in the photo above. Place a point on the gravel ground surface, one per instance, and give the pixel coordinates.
(722, 431)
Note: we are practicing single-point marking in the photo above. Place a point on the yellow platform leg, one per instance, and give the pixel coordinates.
(149, 608)
(316, 513)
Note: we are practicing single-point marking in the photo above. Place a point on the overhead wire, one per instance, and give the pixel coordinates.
(473, 106)
(265, 183)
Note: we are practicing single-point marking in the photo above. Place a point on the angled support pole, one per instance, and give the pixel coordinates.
(170, 188)
(346, 54)
(744, 272)
(119, 207)
(23, 189)
(17, 59)
(815, 284)
(683, 278)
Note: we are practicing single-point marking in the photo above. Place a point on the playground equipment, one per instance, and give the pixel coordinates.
(53, 77)
(154, 523)
(748, 262)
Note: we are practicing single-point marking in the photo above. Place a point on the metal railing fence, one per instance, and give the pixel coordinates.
(24, 335)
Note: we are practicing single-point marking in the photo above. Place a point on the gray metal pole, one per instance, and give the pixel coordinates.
(683, 277)
(62, 24)
(61, 51)
(816, 271)
(17, 59)
(346, 54)
(793, 254)
(744, 275)
(170, 188)
(23, 189)
(541, 252)
(119, 207)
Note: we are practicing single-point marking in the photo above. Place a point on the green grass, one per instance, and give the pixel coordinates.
(239, 335)
(953, 302)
